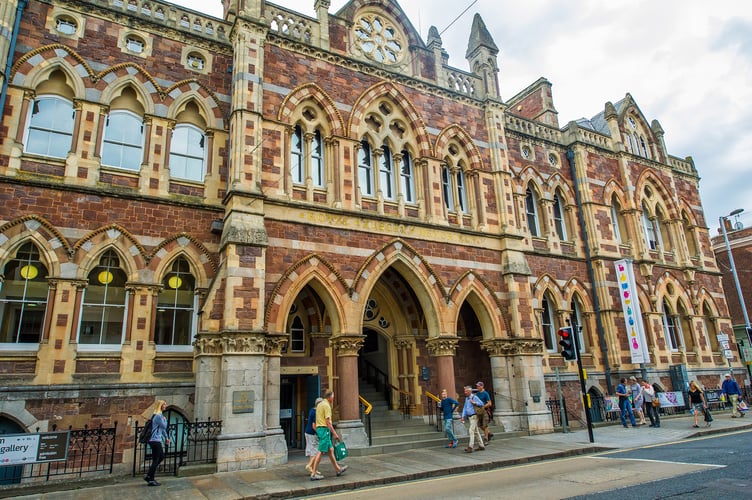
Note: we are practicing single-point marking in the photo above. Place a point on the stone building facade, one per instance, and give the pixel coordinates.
(235, 214)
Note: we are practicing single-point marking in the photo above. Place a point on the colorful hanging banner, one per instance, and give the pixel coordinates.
(631, 306)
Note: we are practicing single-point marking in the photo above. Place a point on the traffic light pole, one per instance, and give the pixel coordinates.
(582, 376)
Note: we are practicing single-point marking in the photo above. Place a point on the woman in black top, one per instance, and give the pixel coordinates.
(696, 401)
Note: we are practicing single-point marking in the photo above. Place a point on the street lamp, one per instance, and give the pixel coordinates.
(722, 220)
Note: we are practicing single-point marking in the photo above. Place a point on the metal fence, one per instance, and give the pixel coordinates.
(191, 443)
(89, 451)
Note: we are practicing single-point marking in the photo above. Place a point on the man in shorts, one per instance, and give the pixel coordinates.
(325, 431)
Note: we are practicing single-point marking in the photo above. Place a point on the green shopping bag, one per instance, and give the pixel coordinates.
(340, 451)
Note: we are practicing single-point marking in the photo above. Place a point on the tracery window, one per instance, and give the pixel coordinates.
(532, 210)
(23, 297)
(548, 323)
(187, 153)
(559, 221)
(176, 306)
(378, 39)
(650, 226)
(386, 174)
(104, 303)
(670, 327)
(578, 324)
(50, 129)
(365, 169)
(407, 179)
(123, 140)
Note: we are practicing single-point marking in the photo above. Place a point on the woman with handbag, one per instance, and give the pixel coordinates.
(697, 403)
(652, 403)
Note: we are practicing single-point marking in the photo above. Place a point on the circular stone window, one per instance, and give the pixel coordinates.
(552, 159)
(525, 152)
(378, 39)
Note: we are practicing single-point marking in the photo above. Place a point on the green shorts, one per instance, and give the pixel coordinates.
(325, 439)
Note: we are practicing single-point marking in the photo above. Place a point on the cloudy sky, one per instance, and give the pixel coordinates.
(687, 63)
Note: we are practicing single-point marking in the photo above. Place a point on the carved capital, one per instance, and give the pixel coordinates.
(239, 343)
(513, 347)
(347, 345)
(442, 346)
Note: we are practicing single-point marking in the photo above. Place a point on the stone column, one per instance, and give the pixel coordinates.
(444, 349)
(349, 425)
(517, 371)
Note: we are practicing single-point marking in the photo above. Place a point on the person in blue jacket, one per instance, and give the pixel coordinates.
(158, 440)
(732, 392)
(448, 405)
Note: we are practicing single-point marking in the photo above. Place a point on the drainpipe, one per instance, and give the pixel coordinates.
(9, 63)
(591, 272)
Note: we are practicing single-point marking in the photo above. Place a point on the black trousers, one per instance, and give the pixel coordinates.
(157, 455)
(652, 412)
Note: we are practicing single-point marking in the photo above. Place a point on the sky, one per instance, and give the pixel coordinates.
(687, 64)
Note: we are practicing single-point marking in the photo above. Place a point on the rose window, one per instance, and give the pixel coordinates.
(378, 40)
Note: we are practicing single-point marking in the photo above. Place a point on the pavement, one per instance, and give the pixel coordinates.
(292, 481)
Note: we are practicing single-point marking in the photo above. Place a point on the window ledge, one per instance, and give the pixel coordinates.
(121, 171)
(174, 351)
(13, 350)
(99, 350)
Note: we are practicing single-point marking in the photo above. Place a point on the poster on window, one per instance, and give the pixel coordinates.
(632, 315)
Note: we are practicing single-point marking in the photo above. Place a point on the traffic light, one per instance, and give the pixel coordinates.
(568, 349)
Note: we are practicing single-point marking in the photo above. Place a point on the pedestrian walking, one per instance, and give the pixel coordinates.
(697, 402)
(325, 431)
(625, 407)
(484, 414)
(311, 440)
(472, 403)
(158, 441)
(447, 406)
(649, 395)
(732, 392)
(636, 390)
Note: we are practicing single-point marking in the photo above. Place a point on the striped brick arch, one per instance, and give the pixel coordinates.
(87, 250)
(295, 279)
(471, 283)
(49, 241)
(201, 260)
(460, 136)
(393, 252)
(312, 92)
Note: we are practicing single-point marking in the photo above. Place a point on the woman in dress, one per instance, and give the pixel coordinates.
(637, 399)
(697, 402)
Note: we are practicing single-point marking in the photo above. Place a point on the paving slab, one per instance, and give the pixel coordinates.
(291, 480)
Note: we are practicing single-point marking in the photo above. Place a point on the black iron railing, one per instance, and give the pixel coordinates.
(89, 451)
(380, 380)
(435, 416)
(190, 443)
(365, 417)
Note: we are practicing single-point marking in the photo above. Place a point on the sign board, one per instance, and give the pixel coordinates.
(20, 449)
(630, 304)
(243, 401)
(722, 337)
(285, 413)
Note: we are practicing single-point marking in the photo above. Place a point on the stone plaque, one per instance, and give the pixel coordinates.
(242, 401)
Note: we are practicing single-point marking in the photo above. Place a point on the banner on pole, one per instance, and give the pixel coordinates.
(632, 316)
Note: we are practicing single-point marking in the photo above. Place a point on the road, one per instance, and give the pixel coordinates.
(701, 468)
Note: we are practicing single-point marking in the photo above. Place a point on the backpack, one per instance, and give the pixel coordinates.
(145, 434)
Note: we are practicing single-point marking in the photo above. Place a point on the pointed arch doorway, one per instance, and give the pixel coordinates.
(393, 320)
